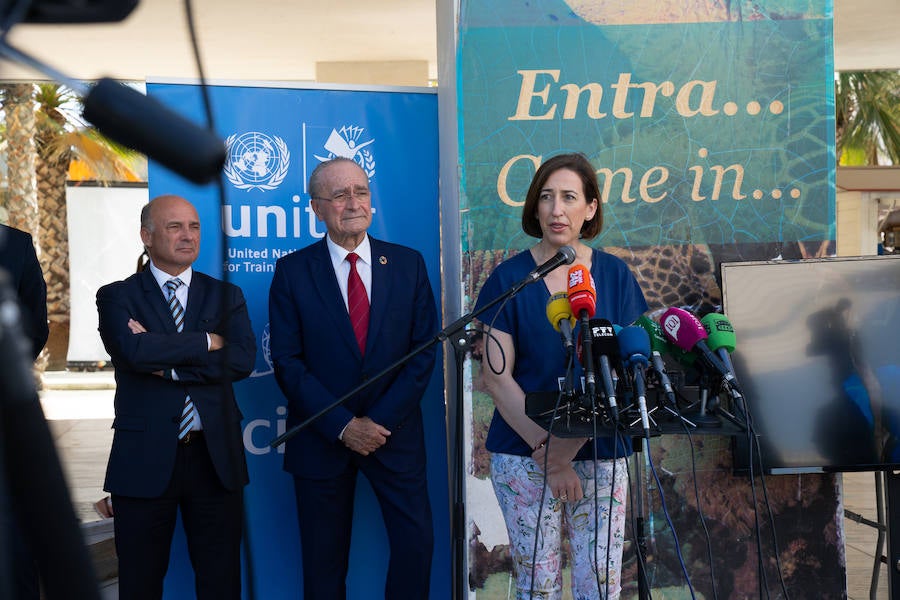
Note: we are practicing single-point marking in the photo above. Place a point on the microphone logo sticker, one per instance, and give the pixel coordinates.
(602, 331)
(576, 277)
(256, 161)
(672, 324)
(347, 142)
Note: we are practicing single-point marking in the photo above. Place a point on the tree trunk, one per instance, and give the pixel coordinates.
(54, 240)
(21, 201)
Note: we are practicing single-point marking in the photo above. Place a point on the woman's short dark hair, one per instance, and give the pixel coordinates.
(578, 164)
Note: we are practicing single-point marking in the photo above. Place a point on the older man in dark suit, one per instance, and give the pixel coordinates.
(341, 311)
(178, 339)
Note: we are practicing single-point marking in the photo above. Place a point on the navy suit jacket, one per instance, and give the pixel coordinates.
(317, 359)
(18, 259)
(148, 407)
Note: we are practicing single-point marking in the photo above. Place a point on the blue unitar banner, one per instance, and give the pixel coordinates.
(275, 137)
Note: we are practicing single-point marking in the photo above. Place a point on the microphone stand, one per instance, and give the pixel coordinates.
(462, 345)
(460, 341)
(638, 445)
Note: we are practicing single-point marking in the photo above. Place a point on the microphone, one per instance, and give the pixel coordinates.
(604, 335)
(129, 117)
(687, 333)
(559, 313)
(582, 299)
(721, 338)
(581, 292)
(634, 342)
(564, 256)
(658, 345)
(145, 124)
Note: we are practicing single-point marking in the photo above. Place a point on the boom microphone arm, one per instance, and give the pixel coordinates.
(566, 255)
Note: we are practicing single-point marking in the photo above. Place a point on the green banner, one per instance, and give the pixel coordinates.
(705, 127)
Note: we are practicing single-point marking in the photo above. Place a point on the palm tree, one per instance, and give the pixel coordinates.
(17, 101)
(44, 135)
(61, 138)
(867, 117)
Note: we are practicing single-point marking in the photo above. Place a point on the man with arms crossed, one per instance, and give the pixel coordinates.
(178, 339)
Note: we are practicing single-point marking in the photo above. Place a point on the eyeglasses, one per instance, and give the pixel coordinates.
(342, 197)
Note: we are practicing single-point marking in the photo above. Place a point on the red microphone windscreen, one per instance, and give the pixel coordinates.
(582, 295)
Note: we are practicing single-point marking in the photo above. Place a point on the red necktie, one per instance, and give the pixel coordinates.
(358, 303)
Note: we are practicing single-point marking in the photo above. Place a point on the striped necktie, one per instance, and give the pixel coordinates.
(188, 413)
(357, 303)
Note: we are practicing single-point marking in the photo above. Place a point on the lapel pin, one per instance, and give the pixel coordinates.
(382, 260)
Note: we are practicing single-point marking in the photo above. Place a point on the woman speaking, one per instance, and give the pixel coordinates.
(523, 353)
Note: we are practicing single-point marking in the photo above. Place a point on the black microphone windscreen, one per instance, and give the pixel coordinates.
(143, 123)
(604, 337)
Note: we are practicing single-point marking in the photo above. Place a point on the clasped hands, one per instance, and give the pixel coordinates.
(364, 436)
(216, 341)
(562, 480)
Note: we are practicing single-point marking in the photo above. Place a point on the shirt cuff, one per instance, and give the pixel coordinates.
(341, 434)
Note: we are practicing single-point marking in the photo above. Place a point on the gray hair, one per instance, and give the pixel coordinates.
(315, 179)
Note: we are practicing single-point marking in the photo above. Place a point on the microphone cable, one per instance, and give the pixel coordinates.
(570, 367)
(223, 249)
(662, 499)
(760, 565)
(617, 437)
(709, 551)
(753, 442)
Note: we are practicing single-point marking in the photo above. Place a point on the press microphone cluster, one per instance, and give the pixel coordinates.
(628, 361)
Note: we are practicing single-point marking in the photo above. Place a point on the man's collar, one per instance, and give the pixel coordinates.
(339, 254)
(162, 277)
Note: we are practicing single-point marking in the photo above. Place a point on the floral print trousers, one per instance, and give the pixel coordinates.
(518, 482)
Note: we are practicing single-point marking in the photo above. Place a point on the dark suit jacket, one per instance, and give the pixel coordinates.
(317, 359)
(148, 407)
(18, 259)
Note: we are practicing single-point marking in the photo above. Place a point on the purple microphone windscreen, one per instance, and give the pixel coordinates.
(682, 328)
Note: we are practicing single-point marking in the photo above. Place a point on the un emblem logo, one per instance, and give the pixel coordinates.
(256, 160)
(347, 142)
(266, 353)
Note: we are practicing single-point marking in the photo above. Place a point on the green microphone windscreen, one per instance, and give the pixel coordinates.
(720, 331)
